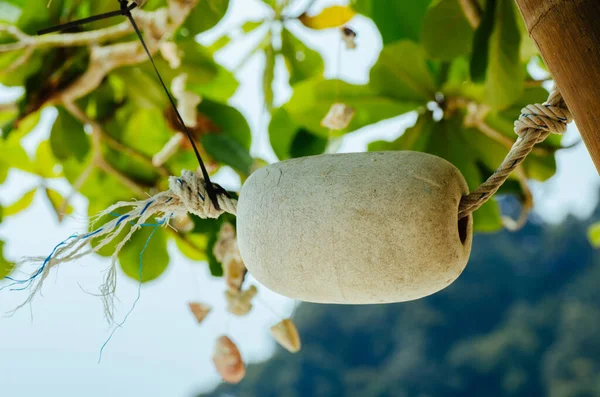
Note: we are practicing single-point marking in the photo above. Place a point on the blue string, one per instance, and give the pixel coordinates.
(122, 219)
(93, 233)
(41, 269)
(139, 291)
(146, 207)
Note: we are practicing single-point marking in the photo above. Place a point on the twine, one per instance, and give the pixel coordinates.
(533, 126)
(187, 194)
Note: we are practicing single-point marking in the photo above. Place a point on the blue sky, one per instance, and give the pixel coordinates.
(51, 349)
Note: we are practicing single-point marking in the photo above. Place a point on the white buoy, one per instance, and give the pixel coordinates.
(355, 228)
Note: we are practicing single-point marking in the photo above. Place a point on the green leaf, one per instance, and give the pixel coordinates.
(415, 138)
(282, 130)
(229, 120)
(5, 266)
(487, 218)
(37, 15)
(68, 138)
(459, 84)
(249, 26)
(226, 150)
(594, 235)
(193, 245)
(216, 269)
(3, 171)
(505, 73)
(402, 73)
(269, 75)
(148, 247)
(443, 17)
(481, 42)
(395, 19)
(45, 162)
(141, 86)
(13, 155)
(313, 98)
(302, 62)
(205, 15)
(21, 204)
(1, 213)
(307, 144)
(144, 131)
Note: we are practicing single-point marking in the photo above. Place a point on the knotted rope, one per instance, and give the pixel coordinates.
(533, 126)
(186, 194)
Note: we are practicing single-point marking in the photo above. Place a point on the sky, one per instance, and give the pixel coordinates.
(51, 348)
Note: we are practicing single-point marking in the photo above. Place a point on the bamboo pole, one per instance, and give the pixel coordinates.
(567, 34)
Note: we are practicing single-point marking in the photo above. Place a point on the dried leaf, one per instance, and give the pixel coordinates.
(228, 360)
(226, 251)
(168, 150)
(338, 117)
(187, 102)
(183, 223)
(170, 53)
(330, 17)
(239, 303)
(286, 334)
(199, 310)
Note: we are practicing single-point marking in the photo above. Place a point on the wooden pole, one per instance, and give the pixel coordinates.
(567, 34)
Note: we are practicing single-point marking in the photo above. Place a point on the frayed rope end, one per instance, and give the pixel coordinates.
(186, 194)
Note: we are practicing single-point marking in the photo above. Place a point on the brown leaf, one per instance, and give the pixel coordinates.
(228, 360)
(286, 334)
(199, 310)
(338, 117)
(240, 302)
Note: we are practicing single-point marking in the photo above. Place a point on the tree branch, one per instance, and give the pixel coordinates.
(158, 26)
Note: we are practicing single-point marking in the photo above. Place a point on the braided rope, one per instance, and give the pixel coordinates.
(187, 194)
(533, 126)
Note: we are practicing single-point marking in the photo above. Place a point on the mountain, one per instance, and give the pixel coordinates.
(522, 320)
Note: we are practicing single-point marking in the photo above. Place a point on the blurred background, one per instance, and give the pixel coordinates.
(522, 320)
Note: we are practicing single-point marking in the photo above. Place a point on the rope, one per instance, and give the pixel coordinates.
(533, 126)
(186, 194)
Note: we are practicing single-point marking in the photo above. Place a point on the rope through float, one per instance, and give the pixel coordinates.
(533, 126)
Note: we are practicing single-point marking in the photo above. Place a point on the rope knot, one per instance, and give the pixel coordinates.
(550, 117)
(190, 190)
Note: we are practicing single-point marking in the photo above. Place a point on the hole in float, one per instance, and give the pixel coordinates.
(463, 225)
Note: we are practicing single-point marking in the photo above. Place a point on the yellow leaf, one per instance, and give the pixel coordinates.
(61, 208)
(20, 204)
(286, 334)
(330, 17)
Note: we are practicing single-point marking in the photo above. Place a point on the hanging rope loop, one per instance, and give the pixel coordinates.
(190, 193)
(533, 126)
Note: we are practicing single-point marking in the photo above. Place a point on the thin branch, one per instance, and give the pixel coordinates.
(124, 179)
(115, 144)
(94, 37)
(75, 187)
(157, 26)
(472, 11)
(97, 159)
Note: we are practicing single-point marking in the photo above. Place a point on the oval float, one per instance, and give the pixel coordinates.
(355, 228)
